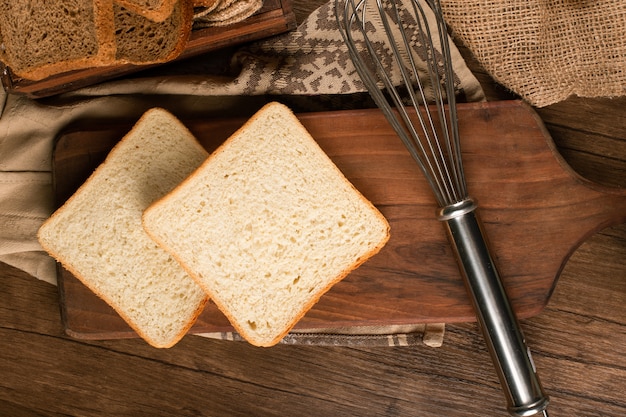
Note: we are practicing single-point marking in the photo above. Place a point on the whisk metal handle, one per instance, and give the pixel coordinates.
(500, 328)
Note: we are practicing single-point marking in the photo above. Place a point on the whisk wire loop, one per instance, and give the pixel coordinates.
(434, 155)
(454, 139)
(443, 87)
(355, 21)
(391, 62)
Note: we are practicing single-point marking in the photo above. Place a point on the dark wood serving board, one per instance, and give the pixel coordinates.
(535, 209)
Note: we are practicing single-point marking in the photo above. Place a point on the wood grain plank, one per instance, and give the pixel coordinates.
(591, 136)
(578, 350)
(576, 337)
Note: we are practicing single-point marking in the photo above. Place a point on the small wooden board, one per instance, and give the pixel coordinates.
(275, 17)
(535, 209)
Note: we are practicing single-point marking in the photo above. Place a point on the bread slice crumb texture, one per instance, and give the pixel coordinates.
(267, 225)
(48, 30)
(43, 37)
(155, 10)
(140, 40)
(97, 234)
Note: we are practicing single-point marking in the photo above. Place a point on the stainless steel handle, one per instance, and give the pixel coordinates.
(498, 323)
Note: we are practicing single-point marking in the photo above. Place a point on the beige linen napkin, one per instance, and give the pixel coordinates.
(311, 61)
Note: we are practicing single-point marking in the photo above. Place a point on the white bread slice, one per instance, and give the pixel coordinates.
(97, 234)
(267, 225)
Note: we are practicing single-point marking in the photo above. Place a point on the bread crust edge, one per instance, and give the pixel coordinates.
(85, 281)
(315, 299)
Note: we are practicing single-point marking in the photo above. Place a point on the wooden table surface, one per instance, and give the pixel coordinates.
(578, 340)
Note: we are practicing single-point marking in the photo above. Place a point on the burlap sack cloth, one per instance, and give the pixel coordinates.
(310, 63)
(546, 50)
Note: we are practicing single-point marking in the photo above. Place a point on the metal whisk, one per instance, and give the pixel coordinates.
(388, 68)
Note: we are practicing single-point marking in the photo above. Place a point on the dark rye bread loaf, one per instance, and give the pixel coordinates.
(155, 10)
(140, 40)
(43, 37)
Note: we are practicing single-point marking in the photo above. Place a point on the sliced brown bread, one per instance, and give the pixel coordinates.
(228, 12)
(267, 225)
(155, 10)
(41, 38)
(45, 37)
(97, 234)
(140, 40)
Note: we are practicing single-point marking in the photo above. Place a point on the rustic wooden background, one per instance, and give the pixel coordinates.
(578, 340)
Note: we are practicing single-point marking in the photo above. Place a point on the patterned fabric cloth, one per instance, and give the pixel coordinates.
(310, 63)
(431, 335)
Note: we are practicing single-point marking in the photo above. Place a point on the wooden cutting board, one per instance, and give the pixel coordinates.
(535, 209)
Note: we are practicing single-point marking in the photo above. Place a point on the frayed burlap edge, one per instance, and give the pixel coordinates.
(546, 51)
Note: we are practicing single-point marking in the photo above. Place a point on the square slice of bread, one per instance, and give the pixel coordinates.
(141, 41)
(267, 225)
(97, 234)
(40, 38)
